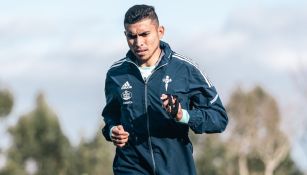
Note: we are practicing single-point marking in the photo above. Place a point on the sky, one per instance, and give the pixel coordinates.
(64, 49)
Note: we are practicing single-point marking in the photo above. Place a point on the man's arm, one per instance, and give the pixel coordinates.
(207, 113)
(111, 112)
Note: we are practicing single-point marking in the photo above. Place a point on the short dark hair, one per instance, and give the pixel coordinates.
(137, 13)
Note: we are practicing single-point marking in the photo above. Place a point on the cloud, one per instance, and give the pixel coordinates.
(68, 55)
(65, 57)
(278, 34)
(274, 38)
(34, 47)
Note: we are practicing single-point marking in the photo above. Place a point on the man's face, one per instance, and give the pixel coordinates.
(143, 38)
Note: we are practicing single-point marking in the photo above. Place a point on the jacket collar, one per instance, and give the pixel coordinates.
(164, 60)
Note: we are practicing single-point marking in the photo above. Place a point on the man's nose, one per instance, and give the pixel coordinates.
(139, 41)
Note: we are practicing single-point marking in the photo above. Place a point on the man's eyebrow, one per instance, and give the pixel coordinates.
(144, 33)
(134, 34)
(130, 33)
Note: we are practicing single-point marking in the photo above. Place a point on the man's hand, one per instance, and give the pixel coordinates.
(167, 107)
(119, 136)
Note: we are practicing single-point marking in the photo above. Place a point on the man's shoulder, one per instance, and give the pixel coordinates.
(117, 64)
(181, 59)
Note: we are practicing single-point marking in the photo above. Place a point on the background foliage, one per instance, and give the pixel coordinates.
(253, 144)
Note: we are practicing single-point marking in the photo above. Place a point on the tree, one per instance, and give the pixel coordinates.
(212, 157)
(255, 130)
(95, 156)
(13, 168)
(6, 102)
(6, 105)
(300, 81)
(287, 167)
(39, 146)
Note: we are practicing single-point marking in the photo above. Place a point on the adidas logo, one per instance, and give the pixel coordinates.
(126, 86)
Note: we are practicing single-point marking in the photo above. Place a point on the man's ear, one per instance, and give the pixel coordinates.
(161, 31)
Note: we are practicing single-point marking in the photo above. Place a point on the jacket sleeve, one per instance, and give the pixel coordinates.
(207, 113)
(111, 112)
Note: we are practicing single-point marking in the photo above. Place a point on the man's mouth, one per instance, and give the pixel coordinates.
(140, 51)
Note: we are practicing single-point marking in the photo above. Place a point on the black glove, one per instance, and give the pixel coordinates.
(174, 106)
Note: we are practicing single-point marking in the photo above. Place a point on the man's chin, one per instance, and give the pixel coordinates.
(141, 57)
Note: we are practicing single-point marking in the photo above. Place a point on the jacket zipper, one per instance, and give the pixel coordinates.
(148, 130)
(146, 111)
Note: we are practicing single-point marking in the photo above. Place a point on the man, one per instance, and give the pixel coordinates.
(153, 97)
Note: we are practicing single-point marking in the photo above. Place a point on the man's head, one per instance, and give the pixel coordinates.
(143, 33)
(139, 12)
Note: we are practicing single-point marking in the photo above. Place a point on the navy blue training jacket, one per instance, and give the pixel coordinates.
(158, 145)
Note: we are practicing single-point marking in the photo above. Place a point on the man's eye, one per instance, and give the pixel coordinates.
(130, 36)
(144, 34)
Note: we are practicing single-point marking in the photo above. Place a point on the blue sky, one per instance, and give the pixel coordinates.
(64, 49)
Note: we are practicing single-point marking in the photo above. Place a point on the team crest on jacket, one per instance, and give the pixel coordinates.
(166, 80)
(126, 95)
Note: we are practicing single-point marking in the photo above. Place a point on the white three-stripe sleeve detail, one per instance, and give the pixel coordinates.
(214, 99)
(118, 63)
(186, 60)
